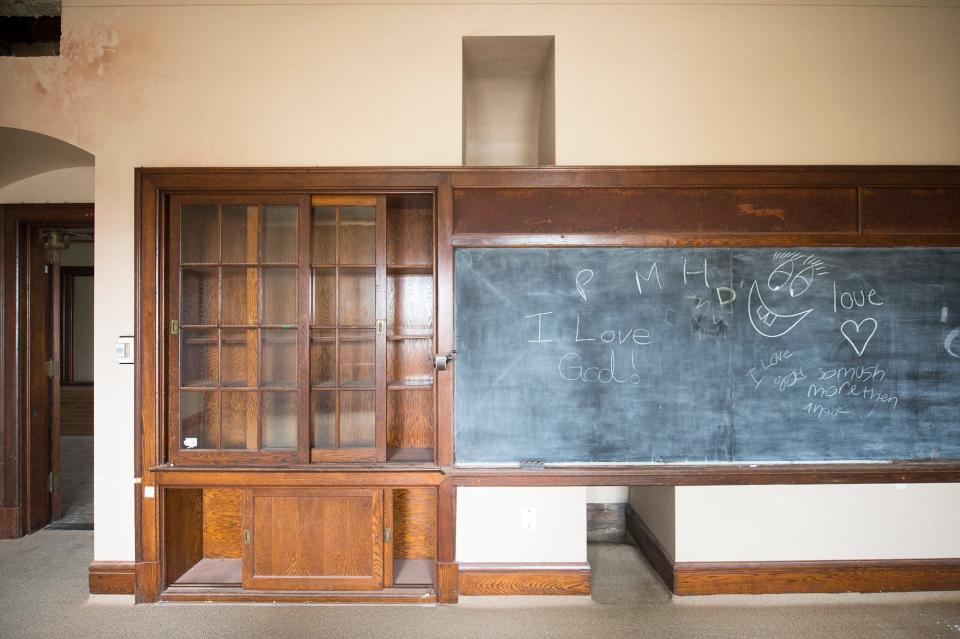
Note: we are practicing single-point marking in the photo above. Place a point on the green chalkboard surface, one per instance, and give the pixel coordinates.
(599, 355)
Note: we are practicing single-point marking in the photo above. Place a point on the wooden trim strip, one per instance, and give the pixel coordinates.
(238, 595)
(709, 474)
(549, 240)
(524, 579)
(775, 577)
(650, 546)
(111, 578)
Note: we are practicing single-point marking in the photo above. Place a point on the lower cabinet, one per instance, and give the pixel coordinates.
(315, 539)
(224, 542)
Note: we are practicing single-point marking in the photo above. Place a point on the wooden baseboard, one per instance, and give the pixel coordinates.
(9, 522)
(650, 547)
(111, 578)
(776, 577)
(448, 583)
(524, 579)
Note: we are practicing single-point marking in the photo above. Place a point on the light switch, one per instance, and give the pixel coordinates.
(124, 349)
(149, 492)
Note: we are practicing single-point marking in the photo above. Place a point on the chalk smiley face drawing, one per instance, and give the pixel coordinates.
(794, 274)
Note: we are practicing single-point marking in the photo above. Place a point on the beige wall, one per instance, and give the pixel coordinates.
(62, 185)
(347, 84)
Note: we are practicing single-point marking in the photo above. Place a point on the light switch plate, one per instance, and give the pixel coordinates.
(124, 349)
(149, 492)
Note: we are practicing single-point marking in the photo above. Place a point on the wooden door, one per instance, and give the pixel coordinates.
(313, 539)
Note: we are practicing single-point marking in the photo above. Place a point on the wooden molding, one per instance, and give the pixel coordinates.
(779, 577)
(448, 583)
(524, 579)
(111, 578)
(775, 577)
(9, 523)
(648, 544)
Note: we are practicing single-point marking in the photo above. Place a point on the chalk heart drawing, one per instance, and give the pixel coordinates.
(861, 331)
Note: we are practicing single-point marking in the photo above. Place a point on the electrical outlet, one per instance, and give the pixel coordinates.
(528, 519)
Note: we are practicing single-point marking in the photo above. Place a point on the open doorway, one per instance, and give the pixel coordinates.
(47, 362)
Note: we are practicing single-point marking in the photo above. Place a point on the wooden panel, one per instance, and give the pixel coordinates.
(648, 544)
(656, 210)
(415, 523)
(111, 578)
(410, 304)
(183, 531)
(223, 523)
(9, 523)
(410, 230)
(76, 410)
(911, 210)
(320, 538)
(410, 419)
(817, 576)
(523, 580)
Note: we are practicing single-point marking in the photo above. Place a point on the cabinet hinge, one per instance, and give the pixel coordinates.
(246, 536)
(388, 535)
(50, 482)
(174, 327)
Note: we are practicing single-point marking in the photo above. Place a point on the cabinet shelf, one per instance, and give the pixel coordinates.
(211, 571)
(408, 385)
(409, 454)
(410, 269)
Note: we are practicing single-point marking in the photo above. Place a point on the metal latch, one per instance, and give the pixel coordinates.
(246, 536)
(50, 482)
(52, 367)
(174, 327)
(381, 326)
(388, 535)
(441, 360)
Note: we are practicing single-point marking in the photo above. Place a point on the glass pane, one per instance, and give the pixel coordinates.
(279, 420)
(323, 419)
(235, 245)
(198, 357)
(357, 359)
(279, 288)
(199, 293)
(358, 296)
(238, 358)
(278, 234)
(239, 418)
(323, 358)
(238, 296)
(278, 357)
(323, 241)
(357, 419)
(324, 297)
(358, 235)
(198, 420)
(199, 234)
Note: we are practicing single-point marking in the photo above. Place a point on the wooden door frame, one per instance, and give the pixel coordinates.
(68, 276)
(17, 472)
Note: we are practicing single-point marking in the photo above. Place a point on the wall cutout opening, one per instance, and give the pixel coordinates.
(508, 101)
(29, 27)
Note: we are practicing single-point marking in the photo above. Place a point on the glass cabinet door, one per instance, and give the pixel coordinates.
(347, 330)
(235, 328)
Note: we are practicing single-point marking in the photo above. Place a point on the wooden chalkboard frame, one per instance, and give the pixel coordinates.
(867, 206)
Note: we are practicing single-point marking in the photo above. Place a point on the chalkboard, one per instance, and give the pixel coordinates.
(712, 355)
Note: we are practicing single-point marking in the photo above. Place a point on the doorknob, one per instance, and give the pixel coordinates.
(440, 360)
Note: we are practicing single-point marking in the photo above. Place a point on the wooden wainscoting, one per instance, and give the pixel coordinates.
(525, 579)
(779, 577)
(111, 578)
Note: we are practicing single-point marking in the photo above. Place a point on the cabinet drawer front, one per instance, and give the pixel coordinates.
(314, 539)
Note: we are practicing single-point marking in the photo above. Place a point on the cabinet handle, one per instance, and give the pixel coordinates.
(246, 536)
(381, 325)
(388, 535)
(174, 327)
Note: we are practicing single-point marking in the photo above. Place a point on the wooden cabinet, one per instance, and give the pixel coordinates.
(315, 538)
(301, 329)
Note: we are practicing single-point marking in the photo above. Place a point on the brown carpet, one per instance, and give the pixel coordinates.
(43, 594)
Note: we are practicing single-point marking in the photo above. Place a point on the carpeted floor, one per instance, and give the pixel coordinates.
(43, 594)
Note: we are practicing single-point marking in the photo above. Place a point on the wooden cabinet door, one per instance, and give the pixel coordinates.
(313, 539)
